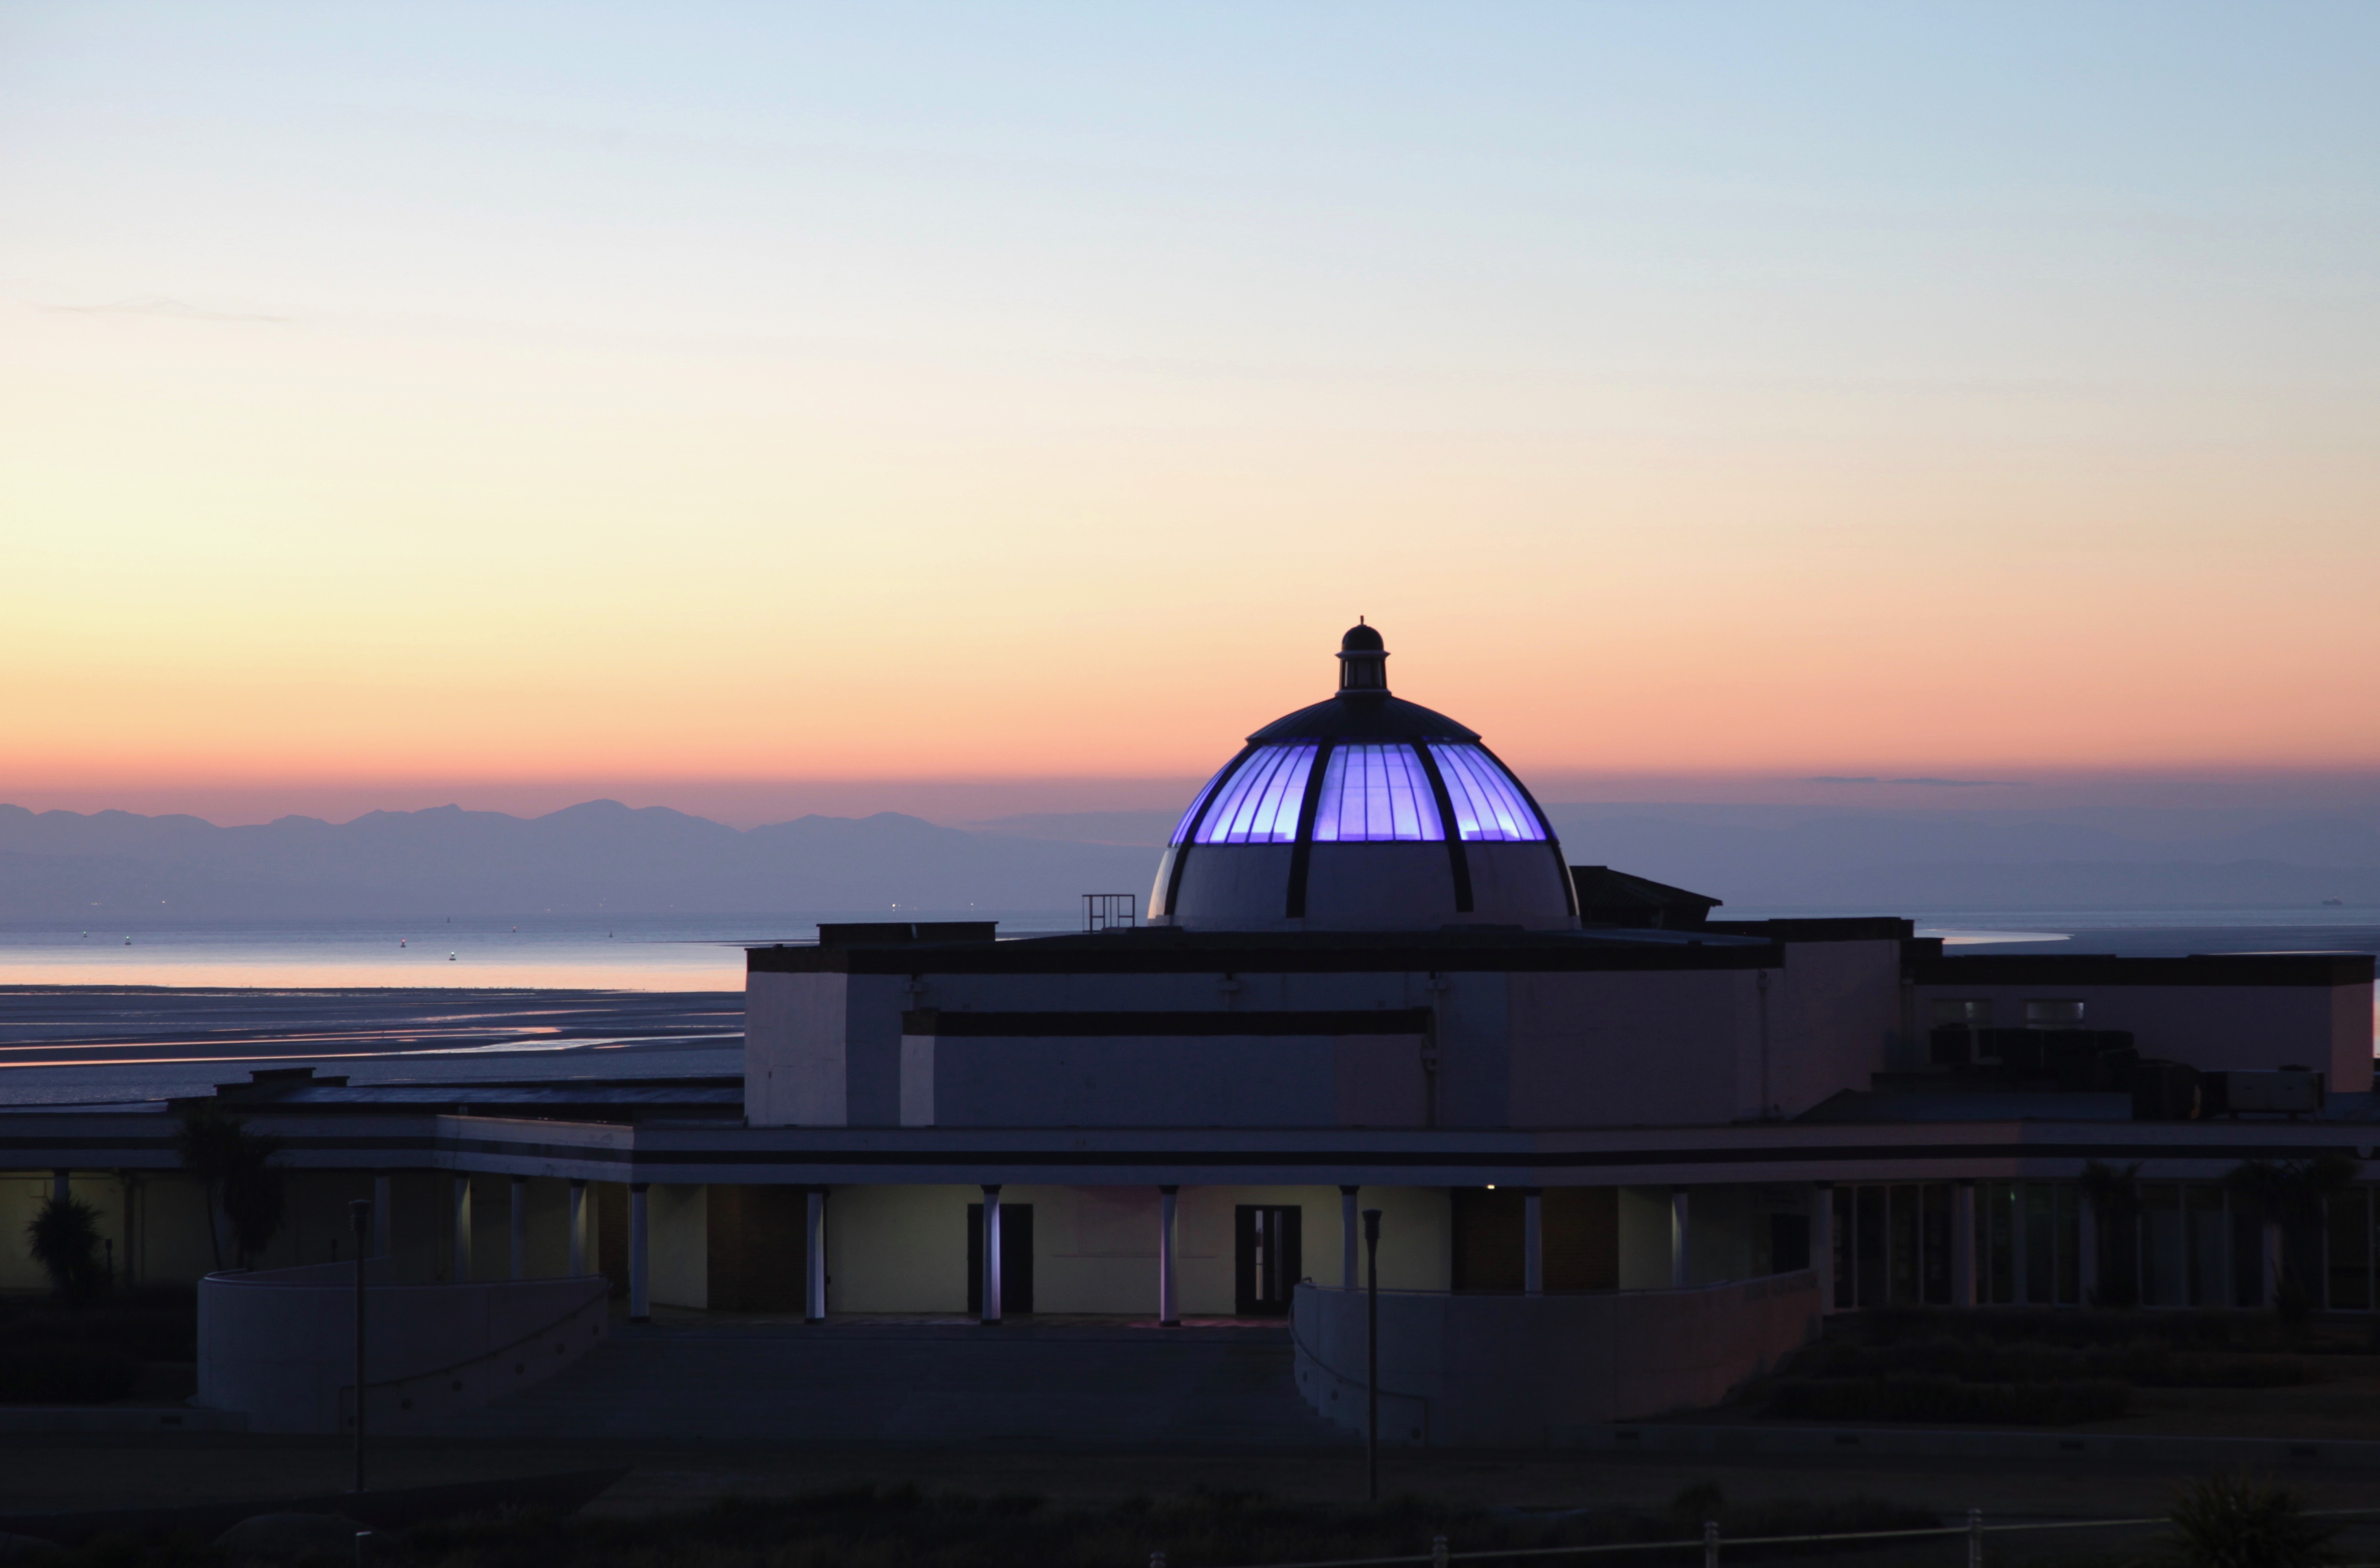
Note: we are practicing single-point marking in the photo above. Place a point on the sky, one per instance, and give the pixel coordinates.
(844, 404)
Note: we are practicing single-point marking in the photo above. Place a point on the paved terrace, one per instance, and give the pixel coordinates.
(1222, 1383)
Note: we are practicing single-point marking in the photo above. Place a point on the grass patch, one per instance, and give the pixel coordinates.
(1921, 1398)
(2038, 1368)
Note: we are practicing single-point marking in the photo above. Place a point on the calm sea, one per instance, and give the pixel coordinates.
(704, 952)
(665, 952)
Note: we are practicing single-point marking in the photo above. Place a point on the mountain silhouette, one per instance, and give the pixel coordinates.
(597, 857)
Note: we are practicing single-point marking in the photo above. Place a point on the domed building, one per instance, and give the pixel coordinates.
(1363, 812)
(1619, 1156)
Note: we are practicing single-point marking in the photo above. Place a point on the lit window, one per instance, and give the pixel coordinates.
(2053, 1014)
(1259, 804)
(1488, 803)
(1376, 792)
(1974, 1014)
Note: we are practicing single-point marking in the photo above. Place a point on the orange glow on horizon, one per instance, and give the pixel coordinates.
(388, 398)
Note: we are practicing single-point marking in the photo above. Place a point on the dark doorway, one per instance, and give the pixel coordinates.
(1016, 1259)
(1580, 1227)
(1266, 1262)
(760, 1248)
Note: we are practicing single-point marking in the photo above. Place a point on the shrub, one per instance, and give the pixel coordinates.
(63, 1237)
(1935, 1398)
(2143, 1364)
(2210, 1329)
(2239, 1521)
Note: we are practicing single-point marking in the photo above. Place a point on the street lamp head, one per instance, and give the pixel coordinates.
(1372, 1226)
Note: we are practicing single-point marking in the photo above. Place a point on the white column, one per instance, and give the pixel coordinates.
(814, 1257)
(1169, 1279)
(1533, 1240)
(2019, 1286)
(2086, 1260)
(577, 1228)
(640, 1276)
(1962, 1245)
(462, 1230)
(384, 1213)
(1348, 1276)
(1822, 1243)
(2272, 1232)
(520, 1227)
(991, 1256)
(1680, 1268)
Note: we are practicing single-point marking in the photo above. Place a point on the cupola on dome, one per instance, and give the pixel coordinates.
(1363, 812)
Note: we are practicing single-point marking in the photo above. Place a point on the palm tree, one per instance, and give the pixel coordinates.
(244, 1186)
(2114, 1195)
(2292, 1198)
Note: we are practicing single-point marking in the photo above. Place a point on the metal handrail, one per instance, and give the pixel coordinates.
(492, 1352)
(1315, 1356)
(1709, 1540)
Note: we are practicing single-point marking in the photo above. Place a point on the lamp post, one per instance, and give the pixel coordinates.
(359, 1211)
(1372, 1356)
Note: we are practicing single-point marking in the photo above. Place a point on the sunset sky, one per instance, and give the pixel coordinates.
(416, 398)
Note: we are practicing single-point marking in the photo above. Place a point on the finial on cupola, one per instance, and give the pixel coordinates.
(1362, 663)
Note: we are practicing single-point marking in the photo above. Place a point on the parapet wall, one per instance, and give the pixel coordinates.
(280, 1345)
(1518, 1372)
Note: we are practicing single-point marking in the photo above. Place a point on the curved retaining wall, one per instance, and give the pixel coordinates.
(280, 1345)
(1513, 1372)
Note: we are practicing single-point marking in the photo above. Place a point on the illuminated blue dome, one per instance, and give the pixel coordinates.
(1362, 811)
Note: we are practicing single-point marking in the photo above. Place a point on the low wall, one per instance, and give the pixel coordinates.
(1508, 1371)
(279, 1345)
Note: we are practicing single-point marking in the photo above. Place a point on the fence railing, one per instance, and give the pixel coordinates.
(1975, 1530)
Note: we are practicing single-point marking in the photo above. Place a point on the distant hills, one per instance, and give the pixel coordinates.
(602, 856)
(596, 857)
(1893, 861)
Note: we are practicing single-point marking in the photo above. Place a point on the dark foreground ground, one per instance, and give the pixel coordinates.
(697, 1505)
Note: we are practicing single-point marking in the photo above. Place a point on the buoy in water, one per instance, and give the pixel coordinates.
(450, 958)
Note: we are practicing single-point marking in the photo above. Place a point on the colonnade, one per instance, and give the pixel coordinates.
(2079, 1277)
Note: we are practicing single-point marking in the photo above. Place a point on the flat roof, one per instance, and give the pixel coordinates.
(2318, 969)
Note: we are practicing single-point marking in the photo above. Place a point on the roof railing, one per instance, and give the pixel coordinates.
(1110, 911)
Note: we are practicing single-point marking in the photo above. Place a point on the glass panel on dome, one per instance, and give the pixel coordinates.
(1376, 792)
(1189, 817)
(1259, 804)
(1488, 803)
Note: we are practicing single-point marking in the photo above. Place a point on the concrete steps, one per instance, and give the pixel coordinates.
(901, 1383)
